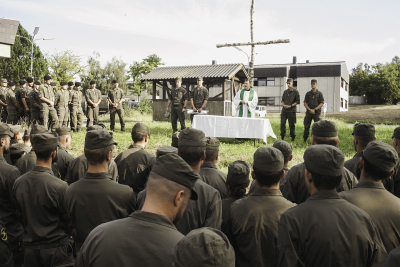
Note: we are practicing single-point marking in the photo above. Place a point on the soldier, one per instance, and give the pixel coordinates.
(18, 133)
(396, 175)
(61, 104)
(6, 256)
(199, 98)
(53, 86)
(326, 224)
(75, 100)
(216, 249)
(175, 139)
(26, 101)
(70, 90)
(209, 172)
(17, 151)
(8, 176)
(393, 258)
(293, 186)
(178, 100)
(313, 101)
(254, 219)
(116, 201)
(64, 158)
(115, 98)
(377, 164)
(13, 107)
(171, 184)
(35, 104)
(290, 99)
(135, 164)
(93, 99)
(46, 95)
(45, 216)
(3, 104)
(18, 95)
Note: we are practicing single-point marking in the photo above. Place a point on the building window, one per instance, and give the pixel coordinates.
(261, 82)
(345, 104)
(271, 81)
(346, 87)
(341, 103)
(342, 83)
(266, 101)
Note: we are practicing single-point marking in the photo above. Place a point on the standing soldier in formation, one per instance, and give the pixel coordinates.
(35, 104)
(115, 98)
(3, 105)
(70, 90)
(61, 104)
(178, 100)
(75, 100)
(47, 111)
(313, 101)
(199, 98)
(93, 99)
(18, 95)
(25, 99)
(13, 107)
(290, 99)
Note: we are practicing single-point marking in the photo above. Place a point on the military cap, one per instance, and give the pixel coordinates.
(53, 84)
(38, 129)
(3, 80)
(383, 156)
(47, 77)
(22, 82)
(11, 84)
(174, 168)
(161, 151)
(114, 81)
(29, 80)
(175, 139)
(268, 159)
(95, 127)
(212, 143)
(284, 147)
(37, 83)
(364, 129)
(313, 81)
(16, 129)
(63, 130)
(238, 173)
(192, 137)
(70, 83)
(199, 78)
(141, 128)
(324, 160)
(44, 141)
(396, 133)
(63, 83)
(78, 84)
(289, 80)
(325, 128)
(19, 148)
(92, 82)
(98, 139)
(178, 79)
(204, 247)
(6, 130)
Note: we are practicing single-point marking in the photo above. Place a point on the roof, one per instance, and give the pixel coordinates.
(299, 64)
(192, 72)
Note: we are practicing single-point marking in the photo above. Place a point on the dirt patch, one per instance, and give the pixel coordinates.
(382, 114)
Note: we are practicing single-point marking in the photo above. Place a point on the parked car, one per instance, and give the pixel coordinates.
(261, 111)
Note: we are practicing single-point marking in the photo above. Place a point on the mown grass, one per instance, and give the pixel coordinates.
(230, 149)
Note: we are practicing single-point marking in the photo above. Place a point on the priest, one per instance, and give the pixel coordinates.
(246, 101)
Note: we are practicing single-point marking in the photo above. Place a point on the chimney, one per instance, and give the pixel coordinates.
(294, 60)
(307, 61)
(214, 62)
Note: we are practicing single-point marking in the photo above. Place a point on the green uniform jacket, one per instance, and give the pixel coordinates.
(75, 98)
(34, 98)
(47, 92)
(63, 161)
(61, 99)
(314, 99)
(25, 94)
(94, 95)
(115, 95)
(394, 258)
(11, 100)
(215, 178)
(18, 95)
(289, 98)
(178, 97)
(199, 95)
(3, 92)
(28, 161)
(6, 257)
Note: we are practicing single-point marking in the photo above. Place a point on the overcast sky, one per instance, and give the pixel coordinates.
(185, 32)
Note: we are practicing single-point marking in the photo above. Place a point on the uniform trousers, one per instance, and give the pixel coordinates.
(92, 115)
(176, 113)
(307, 122)
(291, 117)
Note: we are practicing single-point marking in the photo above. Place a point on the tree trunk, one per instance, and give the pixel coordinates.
(252, 46)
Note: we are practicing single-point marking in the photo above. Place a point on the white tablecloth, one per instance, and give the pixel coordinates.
(233, 127)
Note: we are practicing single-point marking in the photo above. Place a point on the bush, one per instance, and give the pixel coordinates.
(144, 107)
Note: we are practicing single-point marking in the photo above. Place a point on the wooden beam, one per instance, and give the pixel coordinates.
(279, 41)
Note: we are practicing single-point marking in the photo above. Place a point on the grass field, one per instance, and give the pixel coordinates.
(230, 149)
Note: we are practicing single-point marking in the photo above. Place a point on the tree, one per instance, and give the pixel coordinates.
(64, 66)
(18, 66)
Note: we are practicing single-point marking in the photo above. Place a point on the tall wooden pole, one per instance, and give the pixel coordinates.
(252, 46)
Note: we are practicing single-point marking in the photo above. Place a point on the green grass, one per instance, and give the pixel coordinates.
(230, 149)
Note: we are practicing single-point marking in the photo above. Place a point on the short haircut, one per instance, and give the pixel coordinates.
(237, 190)
(4, 136)
(364, 140)
(211, 155)
(163, 188)
(97, 156)
(372, 172)
(323, 182)
(26, 138)
(138, 137)
(16, 156)
(192, 155)
(267, 179)
(333, 141)
(61, 138)
(44, 155)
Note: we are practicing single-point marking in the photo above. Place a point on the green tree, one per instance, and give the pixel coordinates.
(18, 66)
(64, 66)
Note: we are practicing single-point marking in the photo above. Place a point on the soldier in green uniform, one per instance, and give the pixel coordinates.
(46, 95)
(116, 201)
(254, 234)
(178, 100)
(13, 107)
(93, 99)
(25, 100)
(290, 99)
(396, 175)
(313, 101)
(135, 163)
(209, 172)
(35, 104)
(61, 104)
(199, 97)
(64, 158)
(18, 150)
(70, 90)
(18, 95)
(3, 104)
(6, 256)
(75, 100)
(8, 176)
(377, 164)
(215, 249)
(326, 224)
(169, 189)
(40, 198)
(115, 98)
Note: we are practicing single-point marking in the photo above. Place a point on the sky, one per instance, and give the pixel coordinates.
(185, 32)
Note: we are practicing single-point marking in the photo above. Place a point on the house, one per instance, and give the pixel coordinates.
(8, 31)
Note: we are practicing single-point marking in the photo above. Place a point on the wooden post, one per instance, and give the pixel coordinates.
(154, 90)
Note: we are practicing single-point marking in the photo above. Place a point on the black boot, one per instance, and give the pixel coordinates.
(293, 138)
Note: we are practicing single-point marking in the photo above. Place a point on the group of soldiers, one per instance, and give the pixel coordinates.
(176, 208)
(36, 103)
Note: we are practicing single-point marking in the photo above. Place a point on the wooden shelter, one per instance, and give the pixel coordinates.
(221, 80)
